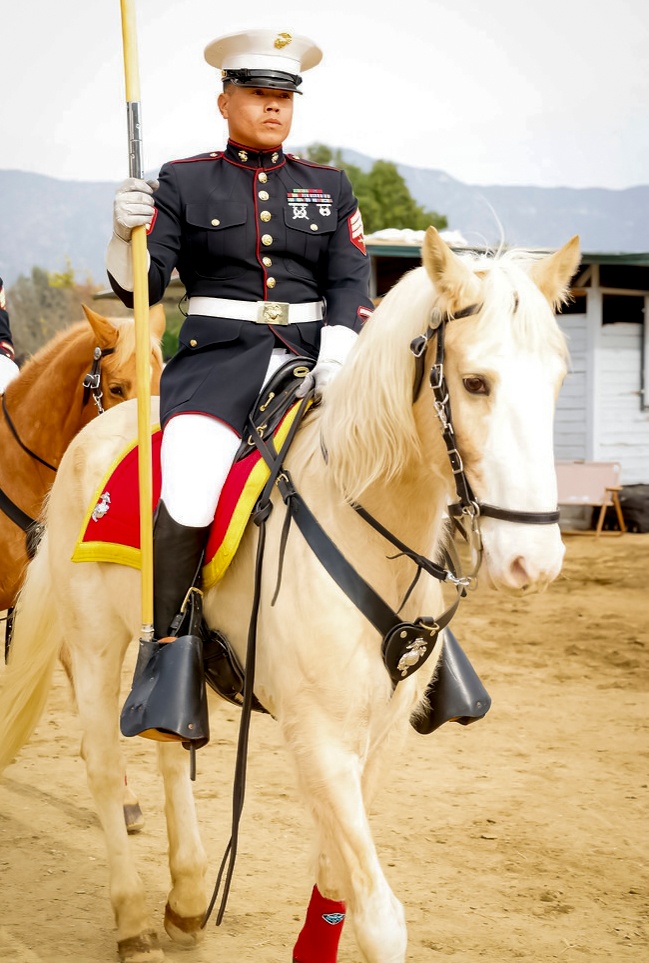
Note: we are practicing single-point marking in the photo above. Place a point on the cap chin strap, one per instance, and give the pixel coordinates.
(273, 79)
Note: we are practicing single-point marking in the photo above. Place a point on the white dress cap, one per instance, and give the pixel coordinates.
(276, 57)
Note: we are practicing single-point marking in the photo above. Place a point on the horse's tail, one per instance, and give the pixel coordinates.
(35, 644)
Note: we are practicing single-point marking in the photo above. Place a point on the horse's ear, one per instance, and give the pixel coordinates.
(105, 330)
(157, 321)
(552, 274)
(449, 273)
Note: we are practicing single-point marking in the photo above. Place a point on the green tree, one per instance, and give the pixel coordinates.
(382, 193)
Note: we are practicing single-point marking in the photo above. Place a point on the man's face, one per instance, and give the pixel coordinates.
(257, 117)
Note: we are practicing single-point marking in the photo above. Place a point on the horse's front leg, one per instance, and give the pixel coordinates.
(348, 867)
(96, 674)
(186, 903)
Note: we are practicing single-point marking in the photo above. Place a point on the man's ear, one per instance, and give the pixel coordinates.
(222, 103)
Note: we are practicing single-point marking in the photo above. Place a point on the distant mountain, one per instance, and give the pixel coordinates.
(607, 220)
(46, 222)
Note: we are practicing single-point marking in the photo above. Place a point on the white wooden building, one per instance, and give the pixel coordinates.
(603, 408)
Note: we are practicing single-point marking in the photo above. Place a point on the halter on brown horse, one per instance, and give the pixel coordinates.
(84, 369)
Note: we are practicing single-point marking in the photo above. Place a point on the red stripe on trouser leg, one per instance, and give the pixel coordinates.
(318, 941)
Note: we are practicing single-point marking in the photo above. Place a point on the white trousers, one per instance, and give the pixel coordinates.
(196, 456)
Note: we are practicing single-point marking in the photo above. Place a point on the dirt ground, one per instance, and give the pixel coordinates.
(522, 837)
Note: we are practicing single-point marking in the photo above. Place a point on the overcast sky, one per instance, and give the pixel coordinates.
(553, 93)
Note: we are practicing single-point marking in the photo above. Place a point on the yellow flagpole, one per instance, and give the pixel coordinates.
(141, 315)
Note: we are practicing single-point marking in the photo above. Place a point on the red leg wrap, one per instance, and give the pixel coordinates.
(318, 941)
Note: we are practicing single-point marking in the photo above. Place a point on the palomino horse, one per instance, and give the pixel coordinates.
(45, 407)
(320, 671)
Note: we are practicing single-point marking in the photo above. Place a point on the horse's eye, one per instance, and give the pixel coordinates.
(117, 391)
(476, 385)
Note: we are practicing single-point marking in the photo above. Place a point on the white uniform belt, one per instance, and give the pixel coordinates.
(261, 312)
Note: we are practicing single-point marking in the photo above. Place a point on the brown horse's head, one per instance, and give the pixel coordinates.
(116, 337)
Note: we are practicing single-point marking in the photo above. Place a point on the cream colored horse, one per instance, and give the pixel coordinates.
(319, 666)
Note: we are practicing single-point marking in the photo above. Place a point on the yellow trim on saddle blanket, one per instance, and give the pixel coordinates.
(216, 567)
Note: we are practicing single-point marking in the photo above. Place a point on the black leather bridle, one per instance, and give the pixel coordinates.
(467, 504)
(91, 388)
(92, 381)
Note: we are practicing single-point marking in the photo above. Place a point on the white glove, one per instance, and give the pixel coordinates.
(336, 341)
(133, 205)
(8, 371)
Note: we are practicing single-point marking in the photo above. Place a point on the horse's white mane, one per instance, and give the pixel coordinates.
(368, 424)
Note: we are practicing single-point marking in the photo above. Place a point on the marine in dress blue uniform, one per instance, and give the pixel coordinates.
(270, 249)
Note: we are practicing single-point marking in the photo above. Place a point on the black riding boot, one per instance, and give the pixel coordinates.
(168, 701)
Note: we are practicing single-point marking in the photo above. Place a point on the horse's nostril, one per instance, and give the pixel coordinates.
(520, 576)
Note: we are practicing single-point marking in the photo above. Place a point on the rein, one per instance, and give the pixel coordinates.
(260, 515)
(14, 432)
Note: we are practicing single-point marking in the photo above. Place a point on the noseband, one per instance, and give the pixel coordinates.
(467, 504)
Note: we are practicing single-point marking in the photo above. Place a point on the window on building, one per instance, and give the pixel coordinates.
(622, 308)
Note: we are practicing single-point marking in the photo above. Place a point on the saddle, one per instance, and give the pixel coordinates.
(274, 402)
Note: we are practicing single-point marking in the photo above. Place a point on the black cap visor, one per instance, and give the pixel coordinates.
(273, 79)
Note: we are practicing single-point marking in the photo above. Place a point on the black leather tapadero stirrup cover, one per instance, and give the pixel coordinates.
(456, 694)
(168, 701)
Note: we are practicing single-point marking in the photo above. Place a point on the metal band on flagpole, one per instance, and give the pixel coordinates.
(142, 326)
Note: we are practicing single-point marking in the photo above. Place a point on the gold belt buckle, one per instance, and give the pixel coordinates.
(273, 312)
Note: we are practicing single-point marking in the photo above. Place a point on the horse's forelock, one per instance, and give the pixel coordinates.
(514, 308)
(124, 347)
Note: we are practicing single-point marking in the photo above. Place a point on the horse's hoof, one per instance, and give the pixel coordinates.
(185, 930)
(133, 817)
(144, 948)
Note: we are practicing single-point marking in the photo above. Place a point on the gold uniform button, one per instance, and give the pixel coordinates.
(193, 343)
(267, 261)
(271, 282)
(314, 227)
(263, 195)
(266, 240)
(214, 154)
(263, 178)
(265, 215)
(215, 222)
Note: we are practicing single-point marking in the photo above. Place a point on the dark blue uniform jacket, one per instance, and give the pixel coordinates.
(251, 226)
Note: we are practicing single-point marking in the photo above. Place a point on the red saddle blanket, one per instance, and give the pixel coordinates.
(111, 527)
